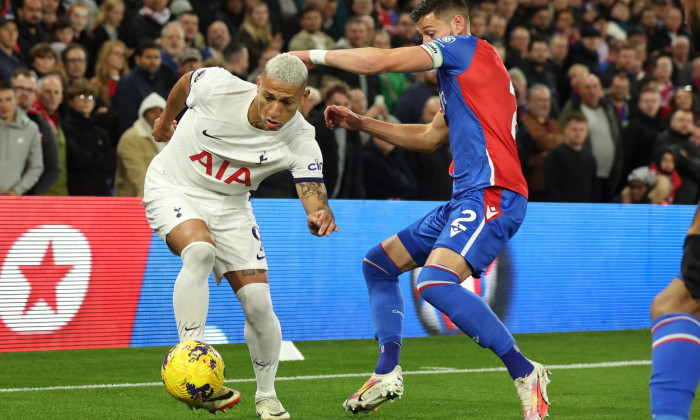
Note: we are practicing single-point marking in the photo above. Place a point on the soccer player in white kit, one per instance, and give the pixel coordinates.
(232, 136)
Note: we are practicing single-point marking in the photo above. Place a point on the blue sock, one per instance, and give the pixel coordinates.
(675, 365)
(386, 306)
(440, 287)
(518, 365)
(388, 357)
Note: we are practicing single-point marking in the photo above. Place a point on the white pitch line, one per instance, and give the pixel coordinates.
(433, 370)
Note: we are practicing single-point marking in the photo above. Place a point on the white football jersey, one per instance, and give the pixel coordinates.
(215, 148)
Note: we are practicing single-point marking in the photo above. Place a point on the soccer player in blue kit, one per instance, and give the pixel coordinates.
(675, 314)
(462, 237)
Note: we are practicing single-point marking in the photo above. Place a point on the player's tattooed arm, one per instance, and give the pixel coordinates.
(314, 198)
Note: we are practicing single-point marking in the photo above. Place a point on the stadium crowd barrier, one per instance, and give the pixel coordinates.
(90, 273)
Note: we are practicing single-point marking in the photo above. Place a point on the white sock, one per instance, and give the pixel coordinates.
(191, 292)
(263, 335)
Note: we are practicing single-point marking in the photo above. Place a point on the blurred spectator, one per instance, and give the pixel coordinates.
(147, 77)
(680, 53)
(687, 155)
(335, 13)
(341, 148)
(266, 55)
(585, 51)
(665, 166)
(190, 59)
(565, 25)
(387, 14)
(624, 63)
(603, 138)
(556, 63)
(24, 83)
(355, 35)
(62, 35)
(110, 67)
(137, 148)
(311, 102)
(695, 75)
(190, 24)
(10, 59)
(684, 98)
(618, 25)
(218, 37)
(540, 22)
(48, 100)
(570, 169)
(92, 7)
(51, 10)
(172, 42)
(107, 24)
(537, 134)
(671, 28)
(639, 137)
(431, 170)
(29, 15)
(79, 16)
(311, 37)
(42, 59)
(147, 23)
(392, 85)
(21, 162)
(74, 62)
(406, 33)
(477, 23)
(258, 33)
(90, 156)
(519, 81)
(517, 48)
(379, 111)
(237, 59)
(409, 107)
(386, 173)
(644, 188)
(496, 29)
(662, 70)
(537, 72)
(619, 98)
(231, 14)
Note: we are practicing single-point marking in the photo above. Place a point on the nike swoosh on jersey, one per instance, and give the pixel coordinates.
(210, 136)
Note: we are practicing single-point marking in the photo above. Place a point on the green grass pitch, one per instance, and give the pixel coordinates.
(445, 378)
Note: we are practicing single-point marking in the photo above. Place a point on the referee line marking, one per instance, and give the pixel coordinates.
(430, 371)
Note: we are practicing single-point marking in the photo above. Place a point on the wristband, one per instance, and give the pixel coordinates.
(318, 56)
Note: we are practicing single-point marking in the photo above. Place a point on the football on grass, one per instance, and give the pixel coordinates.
(192, 371)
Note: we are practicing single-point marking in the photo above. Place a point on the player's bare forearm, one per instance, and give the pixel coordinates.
(314, 198)
(424, 138)
(375, 60)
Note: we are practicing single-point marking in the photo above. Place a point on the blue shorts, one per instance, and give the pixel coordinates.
(476, 224)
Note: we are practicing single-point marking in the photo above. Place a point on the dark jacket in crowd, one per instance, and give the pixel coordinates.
(432, 172)
(133, 88)
(687, 156)
(639, 139)
(387, 176)
(570, 175)
(90, 156)
(352, 186)
(49, 149)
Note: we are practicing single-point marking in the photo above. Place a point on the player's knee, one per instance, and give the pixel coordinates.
(256, 302)
(435, 281)
(198, 255)
(377, 259)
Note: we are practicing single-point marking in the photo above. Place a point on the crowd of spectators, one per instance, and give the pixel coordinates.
(607, 92)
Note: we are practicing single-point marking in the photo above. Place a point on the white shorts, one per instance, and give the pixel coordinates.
(230, 220)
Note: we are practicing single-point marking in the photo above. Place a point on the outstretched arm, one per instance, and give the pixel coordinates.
(164, 126)
(314, 198)
(419, 137)
(370, 60)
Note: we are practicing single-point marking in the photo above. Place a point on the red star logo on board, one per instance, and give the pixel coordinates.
(43, 279)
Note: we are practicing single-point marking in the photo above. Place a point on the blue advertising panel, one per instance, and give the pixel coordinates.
(571, 267)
